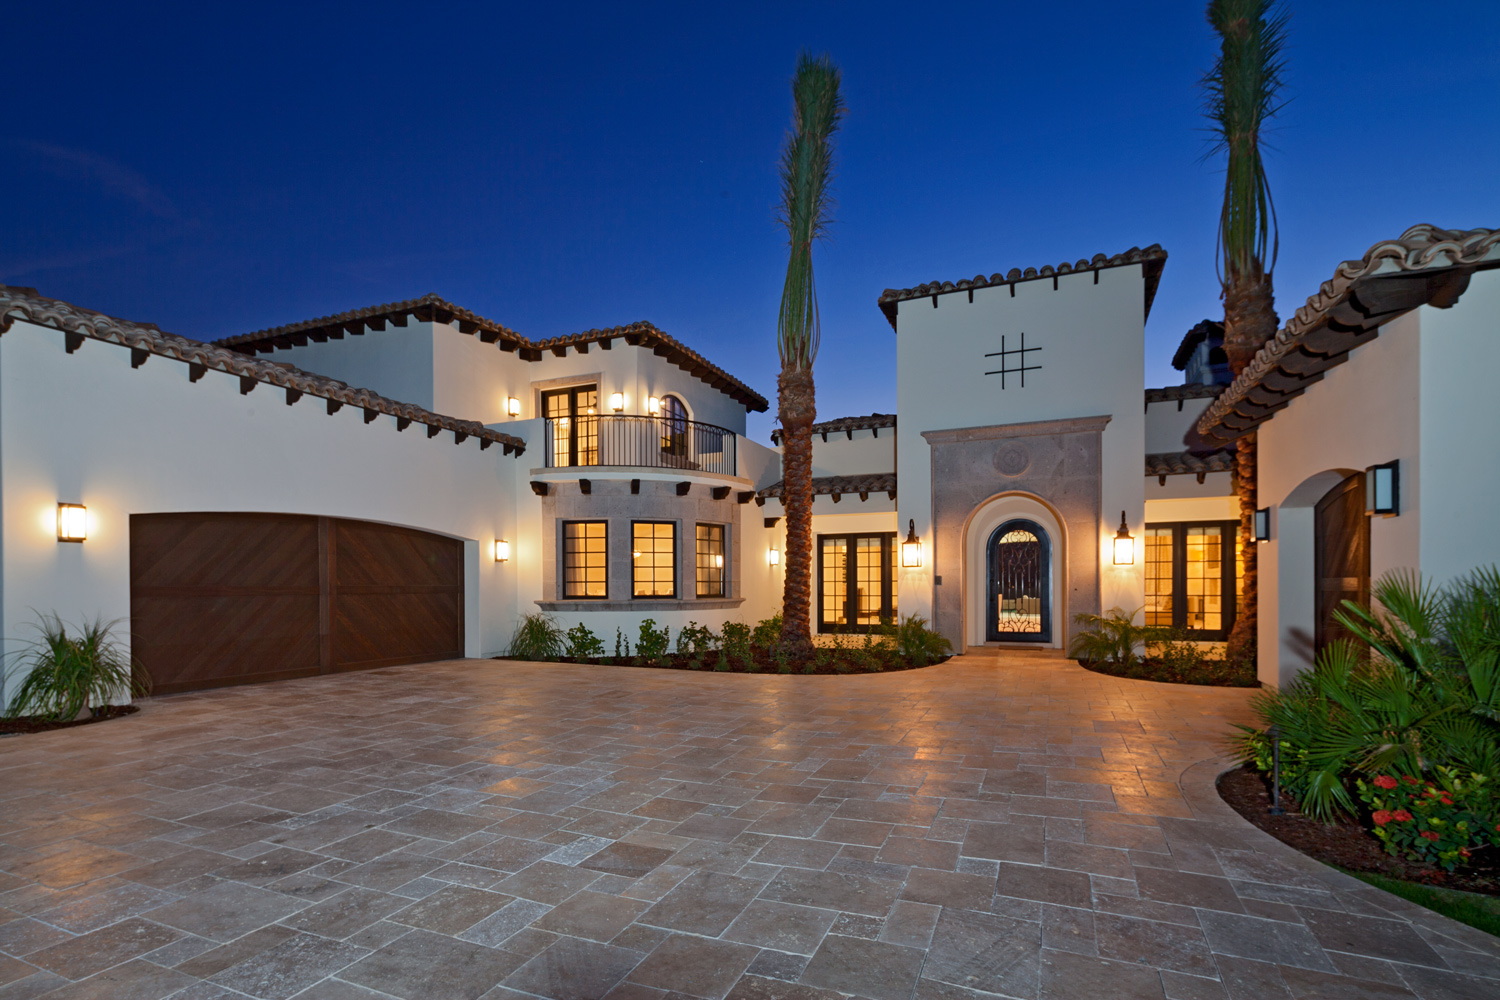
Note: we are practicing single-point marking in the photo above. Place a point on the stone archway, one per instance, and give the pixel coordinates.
(1012, 508)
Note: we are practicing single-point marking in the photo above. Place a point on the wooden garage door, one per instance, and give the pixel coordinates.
(220, 599)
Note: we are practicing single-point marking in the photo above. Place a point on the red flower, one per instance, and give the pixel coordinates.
(1447, 801)
(1464, 851)
(1381, 817)
(1429, 835)
(1385, 781)
(1409, 780)
(1402, 816)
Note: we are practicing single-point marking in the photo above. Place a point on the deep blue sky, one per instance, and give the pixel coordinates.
(218, 168)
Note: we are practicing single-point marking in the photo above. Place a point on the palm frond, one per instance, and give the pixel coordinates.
(806, 203)
(1242, 93)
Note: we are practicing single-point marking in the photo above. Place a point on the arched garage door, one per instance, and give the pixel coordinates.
(220, 599)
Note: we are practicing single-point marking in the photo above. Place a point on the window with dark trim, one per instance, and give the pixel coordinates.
(653, 559)
(856, 581)
(709, 560)
(585, 560)
(573, 424)
(674, 424)
(1191, 577)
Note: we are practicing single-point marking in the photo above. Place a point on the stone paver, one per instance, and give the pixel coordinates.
(1000, 825)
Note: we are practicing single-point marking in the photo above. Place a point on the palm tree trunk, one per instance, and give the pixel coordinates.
(798, 411)
(1249, 321)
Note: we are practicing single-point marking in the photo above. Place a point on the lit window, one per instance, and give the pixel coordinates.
(1189, 575)
(572, 426)
(653, 558)
(709, 559)
(1159, 577)
(857, 581)
(585, 563)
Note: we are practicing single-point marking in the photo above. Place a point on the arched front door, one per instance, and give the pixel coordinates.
(1019, 608)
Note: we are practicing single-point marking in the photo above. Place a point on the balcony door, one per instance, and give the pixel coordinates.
(573, 424)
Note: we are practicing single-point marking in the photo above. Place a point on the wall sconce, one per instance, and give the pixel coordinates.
(773, 556)
(502, 550)
(617, 401)
(72, 522)
(911, 549)
(1124, 545)
(653, 406)
(513, 406)
(1263, 525)
(1383, 489)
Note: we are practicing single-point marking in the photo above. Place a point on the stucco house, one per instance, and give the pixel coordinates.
(402, 482)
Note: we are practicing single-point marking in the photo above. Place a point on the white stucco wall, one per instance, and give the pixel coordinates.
(841, 455)
(1092, 358)
(1167, 427)
(396, 362)
(86, 428)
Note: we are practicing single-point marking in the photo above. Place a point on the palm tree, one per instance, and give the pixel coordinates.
(806, 172)
(1243, 88)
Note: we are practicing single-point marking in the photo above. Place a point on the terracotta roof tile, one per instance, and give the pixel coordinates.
(1424, 265)
(1205, 330)
(432, 308)
(874, 482)
(1179, 463)
(25, 304)
(848, 425)
(1153, 258)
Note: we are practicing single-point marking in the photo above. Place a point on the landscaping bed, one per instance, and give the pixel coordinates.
(34, 724)
(1213, 673)
(758, 663)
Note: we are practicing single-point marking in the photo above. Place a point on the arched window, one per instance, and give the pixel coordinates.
(674, 425)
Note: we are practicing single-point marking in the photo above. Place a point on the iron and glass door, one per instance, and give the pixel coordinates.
(1341, 544)
(674, 425)
(1019, 605)
(573, 424)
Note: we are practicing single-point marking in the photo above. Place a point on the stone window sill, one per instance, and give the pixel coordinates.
(700, 604)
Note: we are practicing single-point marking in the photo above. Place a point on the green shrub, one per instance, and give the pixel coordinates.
(1112, 637)
(919, 645)
(767, 634)
(537, 637)
(697, 640)
(1434, 822)
(584, 644)
(1416, 689)
(1177, 653)
(622, 644)
(735, 639)
(653, 641)
(66, 673)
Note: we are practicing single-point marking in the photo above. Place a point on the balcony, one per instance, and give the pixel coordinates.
(641, 442)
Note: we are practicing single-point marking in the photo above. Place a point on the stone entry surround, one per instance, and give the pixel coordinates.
(1003, 824)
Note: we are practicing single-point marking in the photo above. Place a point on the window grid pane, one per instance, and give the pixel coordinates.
(1205, 579)
(585, 568)
(653, 559)
(868, 580)
(835, 579)
(588, 426)
(894, 560)
(710, 560)
(1159, 577)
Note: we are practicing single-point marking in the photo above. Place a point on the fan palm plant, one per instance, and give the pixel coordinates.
(1243, 90)
(806, 200)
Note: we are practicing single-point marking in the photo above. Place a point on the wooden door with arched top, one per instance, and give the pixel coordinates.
(1341, 547)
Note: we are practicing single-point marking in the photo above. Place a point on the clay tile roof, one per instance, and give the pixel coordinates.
(1152, 259)
(1207, 329)
(1425, 265)
(25, 304)
(847, 425)
(1179, 392)
(875, 482)
(433, 309)
(1178, 463)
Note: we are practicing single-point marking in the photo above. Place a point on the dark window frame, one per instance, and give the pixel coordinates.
(574, 419)
(1228, 593)
(676, 560)
(563, 562)
(889, 601)
(723, 571)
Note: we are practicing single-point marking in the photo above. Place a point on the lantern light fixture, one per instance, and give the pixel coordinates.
(502, 550)
(1124, 545)
(72, 522)
(773, 556)
(653, 406)
(911, 549)
(1383, 490)
(1263, 524)
(513, 406)
(617, 401)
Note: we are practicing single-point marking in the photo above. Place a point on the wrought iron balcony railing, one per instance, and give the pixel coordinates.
(650, 442)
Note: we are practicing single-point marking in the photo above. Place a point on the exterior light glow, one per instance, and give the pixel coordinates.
(513, 406)
(1263, 524)
(72, 522)
(1124, 545)
(718, 562)
(911, 549)
(653, 406)
(1383, 489)
(773, 556)
(502, 550)
(617, 401)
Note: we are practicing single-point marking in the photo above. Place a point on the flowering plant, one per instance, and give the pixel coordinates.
(1433, 821)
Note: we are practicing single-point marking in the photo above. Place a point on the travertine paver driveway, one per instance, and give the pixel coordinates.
(995, 825)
